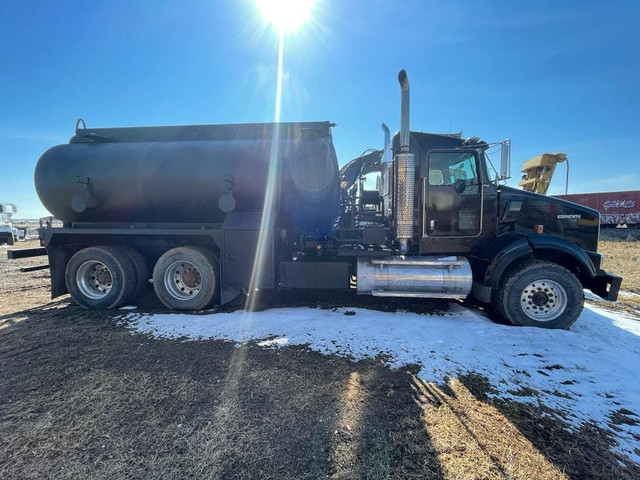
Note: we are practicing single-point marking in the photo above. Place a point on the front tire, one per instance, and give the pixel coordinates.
(186, 278)
(100, 278)
(537, 293)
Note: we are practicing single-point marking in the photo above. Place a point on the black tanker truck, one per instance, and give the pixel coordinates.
(211, 211)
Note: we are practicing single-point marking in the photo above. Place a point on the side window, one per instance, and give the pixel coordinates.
(458, 169)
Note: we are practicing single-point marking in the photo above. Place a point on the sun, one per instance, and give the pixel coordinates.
(285, 15)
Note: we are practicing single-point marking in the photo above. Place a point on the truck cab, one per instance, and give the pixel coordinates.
(529, 255)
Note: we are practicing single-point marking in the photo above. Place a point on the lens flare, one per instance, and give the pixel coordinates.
(266, 224)
(285, 15)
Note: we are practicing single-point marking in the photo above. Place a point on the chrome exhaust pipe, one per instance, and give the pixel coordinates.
(387, 136)
(405, 172)
(403, 80)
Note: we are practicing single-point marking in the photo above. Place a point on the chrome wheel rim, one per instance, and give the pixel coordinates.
(543, 300)
(94, 279)
(182, 280)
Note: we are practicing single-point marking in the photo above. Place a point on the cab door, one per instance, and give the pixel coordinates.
(452, 196)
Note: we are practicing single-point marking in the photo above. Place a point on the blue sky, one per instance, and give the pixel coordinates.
(550, 75)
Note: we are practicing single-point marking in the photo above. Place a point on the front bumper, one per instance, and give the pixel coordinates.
(606, 285)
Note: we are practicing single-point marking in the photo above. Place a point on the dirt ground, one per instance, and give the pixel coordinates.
(81, 397)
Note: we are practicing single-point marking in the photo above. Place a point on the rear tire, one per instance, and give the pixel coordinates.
(141, 270)
(186, 278)
(537, 293)
(100, 278)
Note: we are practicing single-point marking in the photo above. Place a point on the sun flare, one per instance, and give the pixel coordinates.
(285, 15)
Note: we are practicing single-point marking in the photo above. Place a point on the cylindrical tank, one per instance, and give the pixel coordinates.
(428, 277)
(193, 174)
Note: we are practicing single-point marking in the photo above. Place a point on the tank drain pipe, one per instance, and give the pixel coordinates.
(405, 171)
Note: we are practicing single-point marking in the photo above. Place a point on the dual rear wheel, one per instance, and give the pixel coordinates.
(106, 277)
(186, 278)
(101, 278)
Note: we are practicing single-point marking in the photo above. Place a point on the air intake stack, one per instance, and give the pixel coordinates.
(405, 172)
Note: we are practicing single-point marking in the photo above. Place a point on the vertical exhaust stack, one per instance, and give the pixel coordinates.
(403, 80)
(405, 172)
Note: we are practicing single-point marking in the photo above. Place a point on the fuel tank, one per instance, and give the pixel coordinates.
(193, 174)
(422, 277)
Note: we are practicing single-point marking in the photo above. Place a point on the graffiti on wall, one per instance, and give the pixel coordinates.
(630, 218)
(618, 204)
(620, 218)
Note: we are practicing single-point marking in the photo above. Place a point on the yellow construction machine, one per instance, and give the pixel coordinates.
(538, 172)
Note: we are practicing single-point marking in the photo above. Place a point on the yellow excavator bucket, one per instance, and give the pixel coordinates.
(538, 172)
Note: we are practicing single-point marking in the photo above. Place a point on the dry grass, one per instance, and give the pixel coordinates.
(623, 258)
(21, 291)
(81, 397)
(474, 440)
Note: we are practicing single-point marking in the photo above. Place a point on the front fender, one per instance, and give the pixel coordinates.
(549, 242)
(515, 245)
(502, 253)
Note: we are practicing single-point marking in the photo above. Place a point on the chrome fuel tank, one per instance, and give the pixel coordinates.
(428, 277)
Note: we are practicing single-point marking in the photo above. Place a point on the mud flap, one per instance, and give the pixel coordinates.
(606, 286)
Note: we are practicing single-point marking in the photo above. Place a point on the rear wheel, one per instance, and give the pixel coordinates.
(540, 294)
(186, 278)
(141, 270)
(100, 278)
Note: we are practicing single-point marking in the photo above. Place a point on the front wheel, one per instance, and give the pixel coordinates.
(538, 293)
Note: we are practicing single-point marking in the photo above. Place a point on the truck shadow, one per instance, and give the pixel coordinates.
(579, 453)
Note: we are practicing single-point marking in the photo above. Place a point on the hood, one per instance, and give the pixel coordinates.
(521, 210)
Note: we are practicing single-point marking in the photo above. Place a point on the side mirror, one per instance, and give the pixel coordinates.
(505, 160)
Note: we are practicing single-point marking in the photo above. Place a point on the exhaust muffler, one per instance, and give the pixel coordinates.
(405, 171)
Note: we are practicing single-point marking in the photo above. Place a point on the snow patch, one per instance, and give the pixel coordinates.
(588, 372)
(623, 293)
(274, 342)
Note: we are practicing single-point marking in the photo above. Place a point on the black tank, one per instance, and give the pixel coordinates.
(193, 174)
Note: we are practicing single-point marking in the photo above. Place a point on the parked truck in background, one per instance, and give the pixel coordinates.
(8, 233)
(209, 212)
